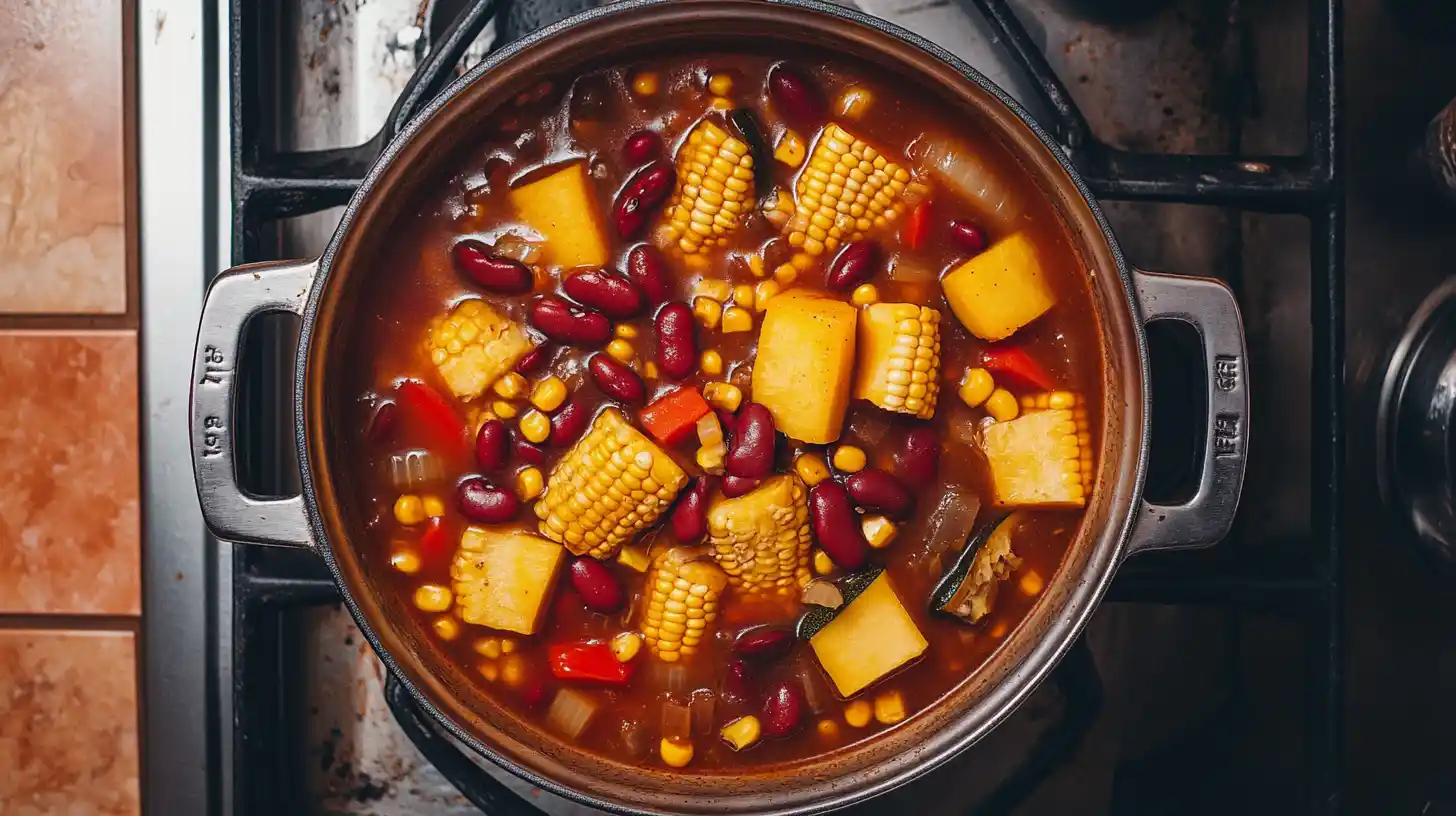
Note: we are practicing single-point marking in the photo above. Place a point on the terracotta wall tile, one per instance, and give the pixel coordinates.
(62, 183)
(68, 723)
(70, 480)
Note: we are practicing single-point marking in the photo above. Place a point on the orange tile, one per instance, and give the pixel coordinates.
(70, 480)
(68, 725)
(62, 178)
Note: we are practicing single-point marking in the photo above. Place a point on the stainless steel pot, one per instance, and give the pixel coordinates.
(1119, 522)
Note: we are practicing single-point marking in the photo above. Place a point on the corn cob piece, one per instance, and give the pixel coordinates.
(714, 189)
(846, 189)
(612, 484)
(473, 346)
(1044, 456)
(683, 603)
(899, 358)
(504, 579)
(762, 538)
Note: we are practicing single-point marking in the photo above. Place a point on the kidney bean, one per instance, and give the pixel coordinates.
(835, 525)
(967, 236)
(918, 458)
(795, 97)
(382, 421)
(690, 516)
(854, 265)
(677, 341)
(644, 268)
(568, 423)
(615, 297)
(535, 359)
(555, 318)
(879, 492)
(735, 486)
(524, 451)
(752, 454)
(642, 193)
(480, 502)
(737, 685)
(492, 444)
(597, 586)
(500, 275)
(764, 642)
(783, 709)
(617, 380)
(641, 147)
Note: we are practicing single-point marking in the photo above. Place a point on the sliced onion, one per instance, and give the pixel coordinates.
(905, 270)
(677, 721)
(702, 707)
(571, 712)
(413, 469)
(965, 173)
(950, 524)
(816, 696)
(821, 592)
(517, 248)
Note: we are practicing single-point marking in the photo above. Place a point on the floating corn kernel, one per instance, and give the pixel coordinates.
(549, 394)
(489, 671)
(762, 538)
(433, 598)
(763, 293)
(802, 261)
(710, 458)
(811, 468)
(755, 265)
(621, 351)
(649, 370)
(626, 331)
(791, 149)
(474, 345)
(529, 483)
(823, 564)
(434, 508)
(721, 103)
(849, 459)
(847, 188)
(510, 386)
(854, 102)
(504, 409)
(507, 645)
(1001, 405)
(889, 707)
(709, 431)
(720, 85)
(714, 189)
(409, 510)
(1000, 629)
(513, 671)
(707, 311)
(626, 645)
(743, 295)
(878, 531)
(786, 274)
(406, 561)
(899, 358)
(446, 627)
(1031, 583)
(858, 713)
(535, 426)
(828, 729)
(487, 647)
(676, 753)
(737, 319)
(645, 84)
(777, 208)
(713, 289)
(742, 732)
(612, 484)
(634, 557)
(711, 363)
(977, 387)
(723, 395)
(682, 603)
(864, 295)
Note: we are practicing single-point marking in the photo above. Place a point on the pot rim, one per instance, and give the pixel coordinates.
(1010, 690)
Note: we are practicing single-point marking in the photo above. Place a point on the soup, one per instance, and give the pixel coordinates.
(724, 410)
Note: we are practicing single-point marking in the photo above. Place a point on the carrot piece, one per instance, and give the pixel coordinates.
(917, 226)
(1014, 364)
(434, 414)
(673, 416)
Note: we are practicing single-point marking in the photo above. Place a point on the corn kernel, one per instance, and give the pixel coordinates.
(406, 561)
(721, 103)
(854, 102)
(720, 85)
(649, 370)
(713, 289)
(710, 457)
(535, 427)
(889, 707)
(1002, 406)
(763, 293)
(977, 387)
(549, 394)
(711, 363)
(504, 409)
(1031, 583)
(858, 713)
(742, 732)
(634, 557)
(529, 483)
(791, 149)
(513, 671)
(802, 261)
(811, 468)
(849, 459)
(823, 564)
(676, 753)
(434, 508)
(446, 627)
(510, 386)
(626, 331)
(737, 319)
(487, 647)
(864, 295)
(433, 598)
(743, 295)
(755, 265)
(626, 645)
(621, 351)
(409, 510)
(786, 274)
(507, 645)
(828, 729)
(723, 395)
(489, 671)
(878, 531)
(707, 311)
(645, 84)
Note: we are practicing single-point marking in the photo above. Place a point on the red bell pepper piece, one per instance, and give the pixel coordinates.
(673, 416)
(917, 226)
(433, 543)
(1013, 364)
(434, 415)
(585, 661)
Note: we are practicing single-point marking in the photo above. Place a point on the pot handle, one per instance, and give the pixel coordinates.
(234, 298)
(1210, 308)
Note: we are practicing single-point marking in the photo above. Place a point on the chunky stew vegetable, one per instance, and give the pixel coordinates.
(725, 410)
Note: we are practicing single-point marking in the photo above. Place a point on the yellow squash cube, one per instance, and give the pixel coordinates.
(869, 639)
(504, 579)
(562, 207)
(1000, 290)
(805, 365)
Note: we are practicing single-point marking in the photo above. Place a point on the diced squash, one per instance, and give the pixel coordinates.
(473, 345)
(562, 207)
(869, 639)
(1036, 460)
(1000, 290)
(805, 365)
(504, 579)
